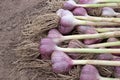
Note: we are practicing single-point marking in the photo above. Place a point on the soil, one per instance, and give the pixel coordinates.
(20, 20)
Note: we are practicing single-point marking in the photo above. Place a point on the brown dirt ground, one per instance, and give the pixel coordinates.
(23, 64)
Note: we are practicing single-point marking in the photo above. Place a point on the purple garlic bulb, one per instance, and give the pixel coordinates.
(80, 12)
(107, 11)
(46, 48)
(105, 57)
(117, 69)
(61, 63)
(88, 30)
(65, 29)
(66, 18)
(54, 33)
(67, 21)
(89, 72)
(113, 40)
(70, 4)
(67, 24)
(62, 12)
